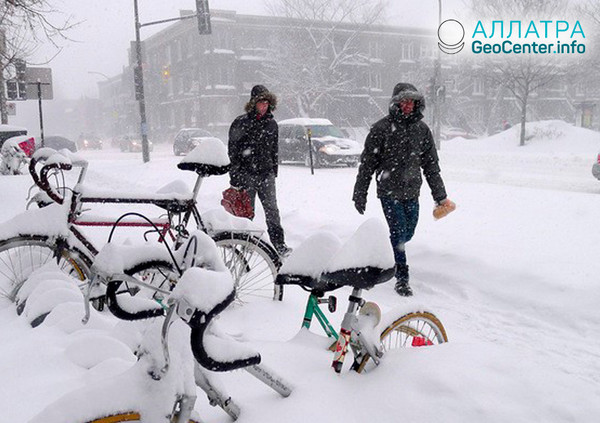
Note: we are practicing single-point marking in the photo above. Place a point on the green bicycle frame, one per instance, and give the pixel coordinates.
(313, 309)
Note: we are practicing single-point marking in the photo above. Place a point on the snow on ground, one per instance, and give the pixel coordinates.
(512, 274)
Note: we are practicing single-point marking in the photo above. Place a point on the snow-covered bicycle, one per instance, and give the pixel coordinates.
(322, 264)
(179, 344)
(53, 232)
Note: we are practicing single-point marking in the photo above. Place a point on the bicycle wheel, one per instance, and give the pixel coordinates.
(416, 329)
(130, 416)
(22, 255)
(253, 264)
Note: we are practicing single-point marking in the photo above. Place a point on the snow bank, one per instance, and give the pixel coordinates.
(551, 136)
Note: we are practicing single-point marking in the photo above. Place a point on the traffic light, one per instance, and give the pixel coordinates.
(166, 73)
(203, 14)
(12, 90)
(21, 71)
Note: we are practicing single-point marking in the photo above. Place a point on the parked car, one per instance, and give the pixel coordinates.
(58, 142)
(596, 168)
(132, 143)
(9, 131)
(90, 141)
(449, 133)
(330, 146)
(188, 138)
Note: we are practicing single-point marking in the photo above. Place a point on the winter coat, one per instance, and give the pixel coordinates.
(396, 150)
(253, 149)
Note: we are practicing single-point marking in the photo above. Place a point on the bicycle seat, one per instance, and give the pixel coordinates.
(306, 263)
(209, 158)
(364, 261)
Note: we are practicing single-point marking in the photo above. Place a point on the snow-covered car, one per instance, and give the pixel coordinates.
(596, 168)
(14, 153)
(132, 143)
(9, 131)
(449, 133)
(189, 138)
(57, 142)
(330, 146)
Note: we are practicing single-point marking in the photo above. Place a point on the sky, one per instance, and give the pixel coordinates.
(98, 45)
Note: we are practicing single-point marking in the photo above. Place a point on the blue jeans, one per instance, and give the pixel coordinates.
(402, 217)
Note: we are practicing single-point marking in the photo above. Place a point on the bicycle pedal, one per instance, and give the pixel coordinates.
(372, 310)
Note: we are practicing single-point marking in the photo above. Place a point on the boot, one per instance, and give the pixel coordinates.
(403, 288)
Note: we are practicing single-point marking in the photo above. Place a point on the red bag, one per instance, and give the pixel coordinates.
(237, 202)
(28, 146)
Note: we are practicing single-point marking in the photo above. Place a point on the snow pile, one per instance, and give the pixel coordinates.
(551, 136)
(203, 289)
(114, 259)
(368, 247)
(210, 151)
(312, 256)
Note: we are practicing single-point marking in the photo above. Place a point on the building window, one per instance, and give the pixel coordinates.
(478, 86)
(375, 80)
(406, 51)
(374, 49)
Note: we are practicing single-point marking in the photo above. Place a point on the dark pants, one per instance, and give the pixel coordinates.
(265, 188)
(402, 217)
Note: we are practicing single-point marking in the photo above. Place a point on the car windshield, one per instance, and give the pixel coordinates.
(199, 133)
(326, 131)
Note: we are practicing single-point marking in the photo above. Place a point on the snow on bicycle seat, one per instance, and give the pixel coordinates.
(114, 259)
(365, 260)
(207, 159)
(307, 262)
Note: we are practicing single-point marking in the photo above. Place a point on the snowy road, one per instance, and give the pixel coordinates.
(513, 275)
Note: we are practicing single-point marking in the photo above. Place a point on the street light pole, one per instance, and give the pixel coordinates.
(437, 76)
(139, 89)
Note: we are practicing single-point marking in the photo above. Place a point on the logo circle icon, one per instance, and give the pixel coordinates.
(451, 34)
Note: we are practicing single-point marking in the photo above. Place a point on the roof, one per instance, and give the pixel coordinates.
(305, 121)
(11, 128)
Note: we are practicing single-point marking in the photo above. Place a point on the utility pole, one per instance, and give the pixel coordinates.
(437, 76)
(139, 86)
(204, 27)
(3, 111)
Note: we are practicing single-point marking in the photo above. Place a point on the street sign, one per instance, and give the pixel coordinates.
(42, 75)
(11, 109)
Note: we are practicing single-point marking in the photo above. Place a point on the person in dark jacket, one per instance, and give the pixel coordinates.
(396, 149)
(253, 148)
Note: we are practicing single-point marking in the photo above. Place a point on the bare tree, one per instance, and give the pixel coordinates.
(312, 58)
(23, 25)
(523, 74)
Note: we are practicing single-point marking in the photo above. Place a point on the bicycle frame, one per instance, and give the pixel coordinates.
(313, 310)
(187, 207)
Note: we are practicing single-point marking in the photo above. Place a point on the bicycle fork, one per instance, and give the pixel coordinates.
(357, 332)
(341, 348)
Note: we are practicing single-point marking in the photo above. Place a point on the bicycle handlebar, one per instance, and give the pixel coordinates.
(42, 180)
(199, 323)
(115, 308)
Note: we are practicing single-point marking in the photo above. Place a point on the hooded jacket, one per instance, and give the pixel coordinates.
(396, 149)
(254, 142)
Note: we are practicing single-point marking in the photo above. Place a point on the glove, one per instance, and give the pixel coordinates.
(360, 203)
(443, 208)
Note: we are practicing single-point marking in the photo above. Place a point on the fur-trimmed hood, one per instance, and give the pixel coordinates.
(407, 91)
(259, 93)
